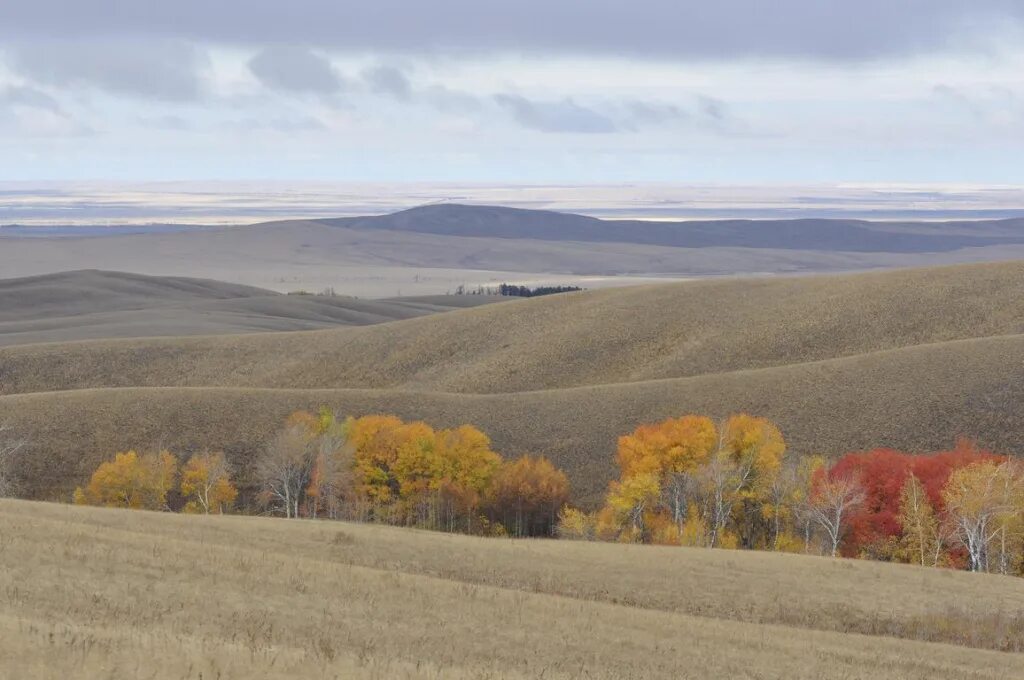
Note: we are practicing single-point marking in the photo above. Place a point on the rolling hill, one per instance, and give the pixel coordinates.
(363, 601)
(909, 359)
(81, 305)
(434, 249)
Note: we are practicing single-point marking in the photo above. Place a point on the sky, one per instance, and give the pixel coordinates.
(584, 91)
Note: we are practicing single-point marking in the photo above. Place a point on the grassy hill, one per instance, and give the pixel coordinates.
(89, 304)
(908, 359)
(360, 601)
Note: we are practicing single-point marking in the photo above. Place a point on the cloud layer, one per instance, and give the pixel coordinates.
(605, 90)
(828, 29)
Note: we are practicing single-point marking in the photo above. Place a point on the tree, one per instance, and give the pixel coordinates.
(922, 539)
(468, 466)
(832, 500)
(630, 499)
(131, 481)
(575, 525)
(740, 474)
(874, 527)
(331, 478)
(10, 450)
(976, 501)
(808, 470)
(1010, 522)
(376, 440)
(283, 469)
(526, 494)
(206, 483)
(673, 449)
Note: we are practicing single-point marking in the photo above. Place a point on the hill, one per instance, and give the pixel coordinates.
(828, 235)
(87, 304)
(361, 601)
(434, 249)
(908, 359)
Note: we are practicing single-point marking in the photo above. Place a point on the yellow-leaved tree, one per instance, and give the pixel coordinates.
(740, 475)
(206, 484)
(131, 481)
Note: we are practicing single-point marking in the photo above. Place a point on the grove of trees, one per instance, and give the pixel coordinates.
(375, 468)
(144, 482)
(687, 481)
(381, 468)
(693, 482)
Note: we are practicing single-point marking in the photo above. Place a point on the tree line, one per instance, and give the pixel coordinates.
(375, 468)
(512, 290)
(687, 481)
(693, 482)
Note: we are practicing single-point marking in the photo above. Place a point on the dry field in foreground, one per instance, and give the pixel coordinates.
(94, 593)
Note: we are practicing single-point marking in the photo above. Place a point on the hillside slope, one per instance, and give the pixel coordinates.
(916, 398)
(596, 337)
(908, 359)
(89, 592)
(91, 304)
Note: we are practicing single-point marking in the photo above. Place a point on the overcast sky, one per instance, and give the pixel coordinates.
(727, 91)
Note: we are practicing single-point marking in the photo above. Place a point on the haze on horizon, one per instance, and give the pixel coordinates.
(727, 93)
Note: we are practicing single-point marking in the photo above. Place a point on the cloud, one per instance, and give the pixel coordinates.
(161, 69)
(447, 100)
(276, 124)
(674, 29)
(30, 97)
(388, 80)
(296, 69)
(555, 116)
(640, 114)
(166, 122)
(712, 109)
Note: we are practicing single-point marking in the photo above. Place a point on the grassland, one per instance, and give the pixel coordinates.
(908, 359)
(94, 593)
(83, 305)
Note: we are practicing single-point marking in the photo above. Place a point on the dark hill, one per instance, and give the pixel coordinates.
(800, 234)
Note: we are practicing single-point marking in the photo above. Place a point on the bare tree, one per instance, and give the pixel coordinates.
(284, 469)
(831, 504)
(331, 476)
(10, 449)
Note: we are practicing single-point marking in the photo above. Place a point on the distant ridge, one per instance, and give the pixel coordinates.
(844, 235)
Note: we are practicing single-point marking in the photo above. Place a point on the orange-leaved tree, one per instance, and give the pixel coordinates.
(526, 496)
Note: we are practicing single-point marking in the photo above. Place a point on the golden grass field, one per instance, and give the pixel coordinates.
(98, 593)
(909, 359)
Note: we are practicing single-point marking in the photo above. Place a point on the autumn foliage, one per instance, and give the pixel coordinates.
(381, 468)
(690, 481)
(686, 481)
(131, 481)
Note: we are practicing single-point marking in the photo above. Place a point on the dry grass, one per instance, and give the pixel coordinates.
(82, 305)
(597, 337)
(919, 398)
(94, 593)
(908, 359)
